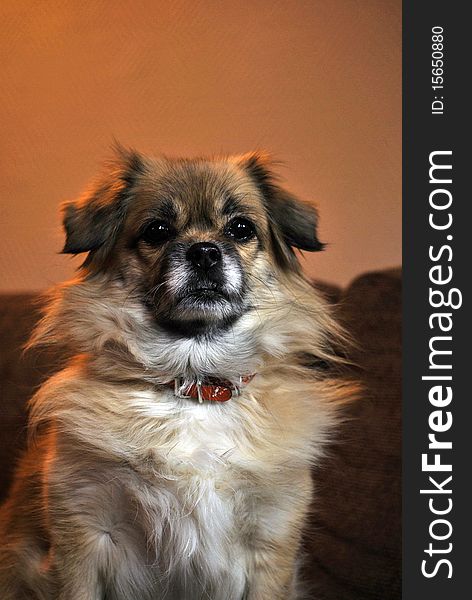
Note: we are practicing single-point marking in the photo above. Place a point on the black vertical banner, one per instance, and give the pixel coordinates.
(437, 450)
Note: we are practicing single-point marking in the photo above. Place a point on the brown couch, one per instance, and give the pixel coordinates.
(353, 539)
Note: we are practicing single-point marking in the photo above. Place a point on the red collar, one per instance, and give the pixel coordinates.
(211, 389)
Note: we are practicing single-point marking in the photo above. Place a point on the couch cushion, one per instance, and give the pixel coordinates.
(354, 534)
(20, 374)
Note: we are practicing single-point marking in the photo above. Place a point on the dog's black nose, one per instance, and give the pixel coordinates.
(204, 255)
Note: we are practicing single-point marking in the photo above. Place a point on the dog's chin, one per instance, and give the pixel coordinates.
(201, 312)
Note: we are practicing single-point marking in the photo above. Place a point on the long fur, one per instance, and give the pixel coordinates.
(128, 492)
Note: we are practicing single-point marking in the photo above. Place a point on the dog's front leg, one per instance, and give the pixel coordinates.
(276, 536)
(273, 574)
(75, 560)
(76, 573)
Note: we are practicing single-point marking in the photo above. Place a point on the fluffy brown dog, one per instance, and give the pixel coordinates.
(171, 457)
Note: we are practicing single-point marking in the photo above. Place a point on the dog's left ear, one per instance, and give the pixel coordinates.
(296, 220)
(92, 221)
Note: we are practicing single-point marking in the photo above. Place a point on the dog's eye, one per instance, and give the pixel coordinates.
(241, 229)
(157, 232)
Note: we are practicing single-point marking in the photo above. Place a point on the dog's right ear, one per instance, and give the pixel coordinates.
(95, 218)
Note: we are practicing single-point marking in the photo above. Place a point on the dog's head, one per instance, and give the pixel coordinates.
(194, 239)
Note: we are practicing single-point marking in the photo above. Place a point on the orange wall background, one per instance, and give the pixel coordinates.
(317, 83)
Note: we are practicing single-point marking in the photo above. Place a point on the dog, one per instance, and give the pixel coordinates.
(171, 456)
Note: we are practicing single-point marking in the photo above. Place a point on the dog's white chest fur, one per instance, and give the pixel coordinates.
(190, 508)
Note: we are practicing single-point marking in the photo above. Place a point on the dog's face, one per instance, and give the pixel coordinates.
(194, 239)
